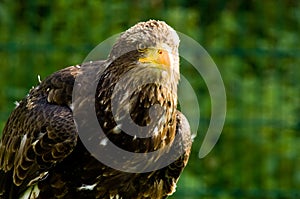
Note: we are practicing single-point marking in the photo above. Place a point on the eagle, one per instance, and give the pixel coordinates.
(44, 149)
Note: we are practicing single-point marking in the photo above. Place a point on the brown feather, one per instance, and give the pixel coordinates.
(40, 146)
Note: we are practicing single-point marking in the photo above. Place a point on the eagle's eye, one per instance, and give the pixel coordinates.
(141, 47)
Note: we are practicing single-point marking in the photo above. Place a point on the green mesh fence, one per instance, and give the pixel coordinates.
(254, 43)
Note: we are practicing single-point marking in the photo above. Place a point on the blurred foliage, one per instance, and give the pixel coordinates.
(254, 43)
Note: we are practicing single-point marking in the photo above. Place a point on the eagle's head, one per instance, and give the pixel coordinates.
(152, 44)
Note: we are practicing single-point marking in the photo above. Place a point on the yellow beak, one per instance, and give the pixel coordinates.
(156, 56)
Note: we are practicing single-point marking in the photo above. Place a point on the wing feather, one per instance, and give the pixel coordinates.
(39, 133)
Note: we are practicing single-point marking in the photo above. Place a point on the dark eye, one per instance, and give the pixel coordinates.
(141, 47)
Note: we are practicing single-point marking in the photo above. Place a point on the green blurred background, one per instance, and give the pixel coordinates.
(255, 44)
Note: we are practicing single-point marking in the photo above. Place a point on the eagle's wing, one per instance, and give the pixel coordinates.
(162, 183)
(182, 143)
(39, 133)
